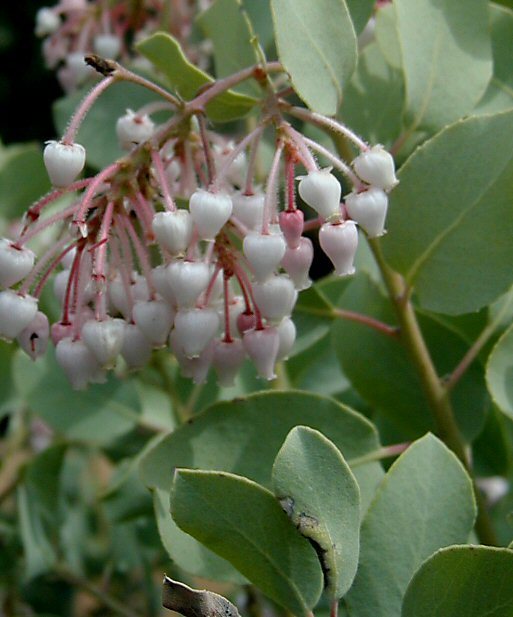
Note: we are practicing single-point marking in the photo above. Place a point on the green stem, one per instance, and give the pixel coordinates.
(438, 400)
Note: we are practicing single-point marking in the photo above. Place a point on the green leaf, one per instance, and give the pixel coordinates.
(446, 56)
(97, 133)
(113, 406)
(166, 54)
(391, 384)
(225, 24)
(316, 44)
(186, 552)
(361, 11)
(244, 437)
(474, 581)
(499, 94)
(499, 373)
(23, 178)
(39, 554)
(374, 98)
(6, 385)
(259, 14)
(319, 493)
(424, 503)
(387, 36)
(42, 478)
(242, 521)
(451, 237)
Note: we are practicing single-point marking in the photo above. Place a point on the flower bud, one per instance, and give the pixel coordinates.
(78, 363)
(210, 211)
(249, 209)
(154, 318)
(16, 313)
(132, 129)
(262, 348)
(161, 281)
(237, 170)
(60, 330)
(291, 225)
(107, 45)
(77, 70)
(297, 261)
(275, 297)
(118, 294)
(369, 210)
(264, 253)
(376, 167)
(287, 332)
(194, 368)
(339, 242)
(228, 359)
(188, 279)
(173, 230)
(245, 321)
(34, 338)
(321, 191)
(15, 262)
(47, 22)
(104, 339)
(136, 348)
(194, 329)
(63, 162)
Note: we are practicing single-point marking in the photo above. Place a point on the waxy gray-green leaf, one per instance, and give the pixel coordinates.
(499, 94)
(316, 44)
(424, 503)
(447, 58)
(243, 522)
(499, 373)
(374, 98)
(225, 24)
(319, 493)
(387, 37)
(166, 54)
(451, 221)
(469, 581)
(244, 437)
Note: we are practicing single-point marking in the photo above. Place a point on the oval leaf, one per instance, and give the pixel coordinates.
(446, 57)
(374, 98)
(319, 493)
(499, 372)
(166, 54)
(475, 581)
(244, 437)
(460, 258)
(226, 25)
(499, 94)
(425, 502)
(316, 44)
(242, 521)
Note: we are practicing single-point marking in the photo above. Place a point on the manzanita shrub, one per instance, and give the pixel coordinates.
(256, 298)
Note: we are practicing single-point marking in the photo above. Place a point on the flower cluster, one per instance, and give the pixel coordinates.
(180, 243)
(74, 28)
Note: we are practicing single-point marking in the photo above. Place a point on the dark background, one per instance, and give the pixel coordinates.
(27, 88)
